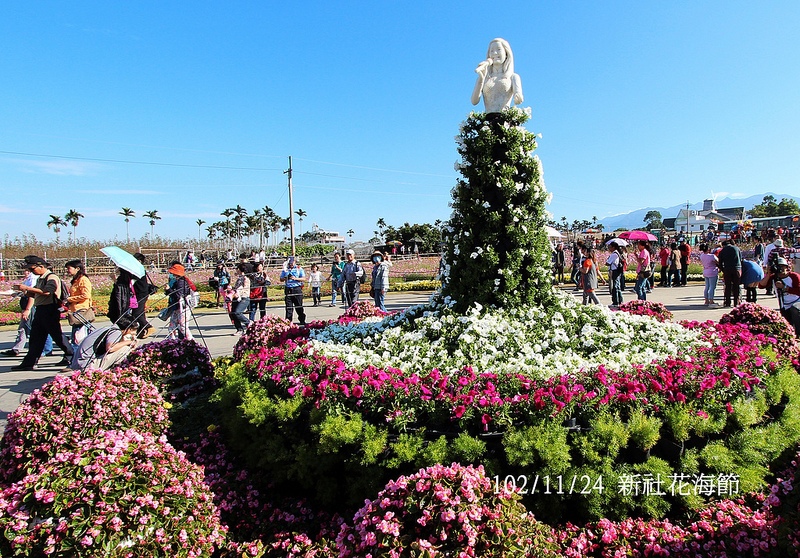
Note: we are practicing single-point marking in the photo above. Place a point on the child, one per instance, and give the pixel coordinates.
(315, 280)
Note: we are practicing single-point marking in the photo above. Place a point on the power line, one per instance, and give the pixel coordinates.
(374, 168)
(128, 162)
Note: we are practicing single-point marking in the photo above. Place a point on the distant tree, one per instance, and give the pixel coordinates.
(788, 206)
(73, 217)
(239, 215)
(275, 225)
(381, 223)
(300, 214)
(127, 212)
(429, 236)
(200, 223)
(153, 216)
(56, 222)
(286, 226)
(769, 207)
(652, 219)
(228, 213)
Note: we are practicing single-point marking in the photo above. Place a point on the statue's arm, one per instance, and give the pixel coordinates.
(516, 88)
(476, 93)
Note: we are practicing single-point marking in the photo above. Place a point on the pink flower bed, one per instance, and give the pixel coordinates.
(443, 511)
(655, 310)
(56, 417)
(119, 493)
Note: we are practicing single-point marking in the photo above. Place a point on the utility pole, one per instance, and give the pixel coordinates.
(688, 234)
(291, 204)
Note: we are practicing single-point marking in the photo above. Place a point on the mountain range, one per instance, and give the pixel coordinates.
(635, 219)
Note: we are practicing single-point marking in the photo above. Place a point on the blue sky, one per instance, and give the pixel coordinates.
(188, 108)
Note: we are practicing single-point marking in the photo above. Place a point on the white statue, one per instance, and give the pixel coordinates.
(497, 81)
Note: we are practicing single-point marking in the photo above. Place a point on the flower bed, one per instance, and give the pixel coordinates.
(180, 368)
(119, 493)
(334, 424)
(69, 409)
(444, 510)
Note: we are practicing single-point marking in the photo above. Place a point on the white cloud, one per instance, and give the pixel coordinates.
(114, 192)
(59, 168)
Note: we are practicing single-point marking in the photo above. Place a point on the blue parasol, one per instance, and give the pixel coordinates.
(124, 260)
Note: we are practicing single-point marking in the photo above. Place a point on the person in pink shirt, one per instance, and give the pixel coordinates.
(642, 269)
(710, 273)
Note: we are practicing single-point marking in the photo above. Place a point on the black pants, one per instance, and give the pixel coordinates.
(792, 315)
(46, 321)
(138, 316)
(664, 276)
(294, 301)
(732, 288)
(684, 270)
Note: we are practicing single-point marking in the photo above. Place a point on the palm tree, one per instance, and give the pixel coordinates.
(286, 225)
(200, 223)
(239, 213)
(56, 222)
(127, 212)
(227, 214)
(275, 224)
(72, 217)
(252, 224)
(153, 216)
(300, 214)
(381, 225)
(350, 233)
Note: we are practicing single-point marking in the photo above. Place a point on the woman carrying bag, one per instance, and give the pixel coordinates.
(79, 303)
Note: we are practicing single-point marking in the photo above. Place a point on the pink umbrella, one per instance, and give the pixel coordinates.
(638, 235)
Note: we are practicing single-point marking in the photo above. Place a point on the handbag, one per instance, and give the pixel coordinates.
(151, 287)
(81, 317)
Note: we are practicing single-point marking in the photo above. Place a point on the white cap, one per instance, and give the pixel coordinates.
(778, 243)
(351, 252)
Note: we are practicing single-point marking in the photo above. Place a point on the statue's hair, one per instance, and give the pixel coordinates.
(508, 65)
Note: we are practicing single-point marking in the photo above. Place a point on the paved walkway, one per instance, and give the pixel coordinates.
(214, 328)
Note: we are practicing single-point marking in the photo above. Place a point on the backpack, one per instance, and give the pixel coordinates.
(363, 278)
(62, 293)
(99, 346)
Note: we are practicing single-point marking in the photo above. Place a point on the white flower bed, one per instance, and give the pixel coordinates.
(538, 342)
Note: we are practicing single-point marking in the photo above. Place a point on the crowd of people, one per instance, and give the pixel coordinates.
(45, 297)
(764, 267)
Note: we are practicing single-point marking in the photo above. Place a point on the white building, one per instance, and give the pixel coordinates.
(694, 221)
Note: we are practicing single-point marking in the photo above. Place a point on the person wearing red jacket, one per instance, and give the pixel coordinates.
(788, 285)
(663, 255)
(686, 253)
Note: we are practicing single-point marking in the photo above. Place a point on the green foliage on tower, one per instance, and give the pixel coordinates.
(497, 252)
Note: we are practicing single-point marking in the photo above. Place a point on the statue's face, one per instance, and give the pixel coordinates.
(497, 53)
